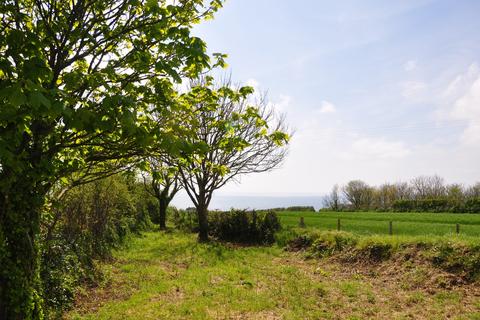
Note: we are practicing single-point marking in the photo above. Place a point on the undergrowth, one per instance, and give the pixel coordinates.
(455, 254)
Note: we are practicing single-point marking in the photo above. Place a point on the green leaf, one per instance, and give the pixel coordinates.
(37, 99)
(17, 98)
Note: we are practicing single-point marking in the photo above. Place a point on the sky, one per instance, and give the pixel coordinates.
(375, 90)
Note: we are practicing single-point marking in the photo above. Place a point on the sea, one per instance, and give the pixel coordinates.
(227, 202)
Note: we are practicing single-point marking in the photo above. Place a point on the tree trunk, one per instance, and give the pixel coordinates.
(162, 213)
(20, 207)
(202, 213)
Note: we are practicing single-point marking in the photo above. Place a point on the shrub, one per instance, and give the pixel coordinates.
(185, 220)
(298, 243)
(89, 221)
(333, 241)
(244, 227)
(301, 208)
(404, 205)
(458, 259)
(376, 250)
(437, 205)
(472, 205)
(294, 208)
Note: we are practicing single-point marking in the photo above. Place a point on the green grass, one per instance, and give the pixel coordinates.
(171, 276)
(368, 223)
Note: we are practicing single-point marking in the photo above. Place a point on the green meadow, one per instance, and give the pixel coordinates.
(369, 223)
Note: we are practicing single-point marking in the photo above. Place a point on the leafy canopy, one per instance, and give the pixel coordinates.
(80, 79)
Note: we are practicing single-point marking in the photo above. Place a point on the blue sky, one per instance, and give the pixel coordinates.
(376, 90)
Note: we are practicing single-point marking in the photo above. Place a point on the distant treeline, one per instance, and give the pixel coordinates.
(295, 208)
(422, 194)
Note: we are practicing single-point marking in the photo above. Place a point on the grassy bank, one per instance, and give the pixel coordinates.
(170, 276)
(366, 223)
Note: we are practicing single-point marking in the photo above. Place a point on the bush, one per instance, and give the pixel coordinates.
(404, 205)
(295, 208)
(298, 243)
(437, 205)
(244, 227)
(301, 208)
(89, 221)
(472, 205)
(185, 220)
(330, 242)
(458, 259)
(376, 250)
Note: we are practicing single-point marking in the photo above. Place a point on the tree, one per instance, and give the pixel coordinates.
(403, 191)
(78, 80)
(428, 187)
(473, 191)
(385, 195)
(238, 139)
(359, 194)
(332, 201)
(163, 185)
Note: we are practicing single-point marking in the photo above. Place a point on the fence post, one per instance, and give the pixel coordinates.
(458, 228)
(339, 227)
(390, 228)
(301, 224)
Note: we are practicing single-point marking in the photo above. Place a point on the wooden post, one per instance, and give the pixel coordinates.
(390, 228)
(458, 228)
(301, 224)
(339, 227)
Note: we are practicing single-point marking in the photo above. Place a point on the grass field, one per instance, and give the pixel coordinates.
(378, 222)
(171, 276)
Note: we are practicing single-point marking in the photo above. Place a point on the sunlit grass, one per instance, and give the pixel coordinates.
(378, 223)
(171, 276)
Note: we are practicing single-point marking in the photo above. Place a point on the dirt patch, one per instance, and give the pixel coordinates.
(91, 299)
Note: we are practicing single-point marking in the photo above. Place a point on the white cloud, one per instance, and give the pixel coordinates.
(467, 107)
(283, 103)
(413, 89)
(410, 65)
(459, 102)
(462, 82)
(327, 107)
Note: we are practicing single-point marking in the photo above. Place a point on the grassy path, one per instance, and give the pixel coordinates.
(170, 276)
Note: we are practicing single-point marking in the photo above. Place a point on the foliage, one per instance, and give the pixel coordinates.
(241, 226)
(78, 83)
(295, 208)
(458, 258)
(162, 183)
(185, 220)
(328, 243)
(422, 194)
(437, 205)
(244, 227)
(473, 205)
(239, 138)
(89, 221)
